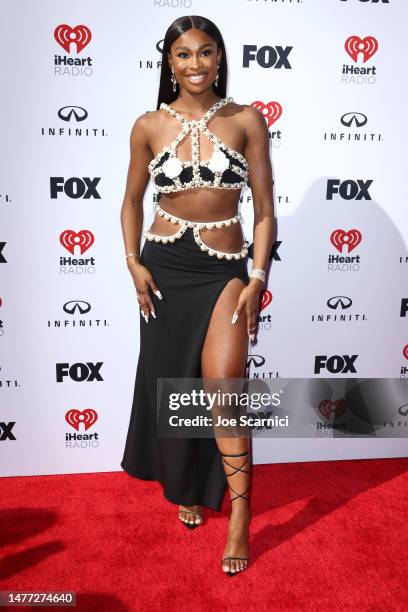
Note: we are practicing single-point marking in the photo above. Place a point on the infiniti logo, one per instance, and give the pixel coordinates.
(74, 124)
(67, 112)
(256, 360)
(80, 305)
(77, 309)
(357, 118)
(352, 128)
(403, 410)
(159, 45)
(341, 316)
(339, 300)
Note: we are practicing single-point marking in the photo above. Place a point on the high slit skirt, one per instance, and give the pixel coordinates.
(190, 281)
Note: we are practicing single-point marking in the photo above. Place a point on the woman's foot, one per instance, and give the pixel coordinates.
(191, 515)
(237, 540)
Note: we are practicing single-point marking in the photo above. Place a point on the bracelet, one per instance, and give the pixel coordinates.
(258, 273)
(132, 255)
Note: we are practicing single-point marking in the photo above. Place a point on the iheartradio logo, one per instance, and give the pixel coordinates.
(405, 351)
(70, 239)
(87, 417)
(367, 46)
(339, 238)
(66, 36)
(336, 408)
(265, 298)
(271, 111)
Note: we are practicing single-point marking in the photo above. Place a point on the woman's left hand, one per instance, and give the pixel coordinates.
(249, 301)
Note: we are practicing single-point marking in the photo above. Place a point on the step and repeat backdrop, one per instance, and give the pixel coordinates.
(329, 77)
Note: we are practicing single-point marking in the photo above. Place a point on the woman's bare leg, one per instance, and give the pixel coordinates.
(224, 356)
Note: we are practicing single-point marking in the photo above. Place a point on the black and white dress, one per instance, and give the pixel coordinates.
(190, 276)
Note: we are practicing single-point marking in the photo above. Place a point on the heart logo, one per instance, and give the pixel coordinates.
(271, 111)
(350, 239)
(265, 298)
(405, 351)
(75, 417)
(328, 408)
(355, 45)
(70, 239)
(80, 36)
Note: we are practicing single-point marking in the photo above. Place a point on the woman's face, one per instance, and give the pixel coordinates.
(195, 60)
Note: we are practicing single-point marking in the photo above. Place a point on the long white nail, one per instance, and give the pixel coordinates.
(159, 295)
(153, 314)
(252, 337)
(146, 318)
(234, 318)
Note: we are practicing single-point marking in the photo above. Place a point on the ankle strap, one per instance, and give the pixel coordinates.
(239, 454)
(239, 495)
(237, 469)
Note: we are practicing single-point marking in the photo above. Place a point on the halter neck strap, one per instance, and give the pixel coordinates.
(204, 119)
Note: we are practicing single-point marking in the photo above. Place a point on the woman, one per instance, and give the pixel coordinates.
(197, 302)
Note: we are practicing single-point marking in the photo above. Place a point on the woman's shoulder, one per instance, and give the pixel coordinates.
(148, 119)
(251, 119)
(247, 113)
(146, 124)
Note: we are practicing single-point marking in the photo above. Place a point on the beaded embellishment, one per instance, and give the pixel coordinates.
(226, 169)
(196, 226)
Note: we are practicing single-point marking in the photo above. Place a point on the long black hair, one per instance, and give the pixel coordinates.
(176, 29)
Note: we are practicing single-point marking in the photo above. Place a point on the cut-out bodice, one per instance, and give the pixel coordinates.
(226, 169)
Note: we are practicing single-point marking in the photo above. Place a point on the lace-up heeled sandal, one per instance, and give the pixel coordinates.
(237, 496)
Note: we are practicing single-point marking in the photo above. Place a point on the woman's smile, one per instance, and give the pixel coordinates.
(197, 79)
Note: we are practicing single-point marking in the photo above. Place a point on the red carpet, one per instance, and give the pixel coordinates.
(324, 536)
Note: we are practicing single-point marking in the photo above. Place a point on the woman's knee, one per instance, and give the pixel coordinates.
(226, 343)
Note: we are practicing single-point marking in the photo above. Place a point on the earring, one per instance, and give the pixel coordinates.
(217, 77)
(173, 79)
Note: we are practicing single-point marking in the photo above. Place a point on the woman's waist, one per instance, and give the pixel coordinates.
(204, 206)
(223, 243)
(218, 221)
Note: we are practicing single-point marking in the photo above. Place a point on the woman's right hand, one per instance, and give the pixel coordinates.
(143, 280)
